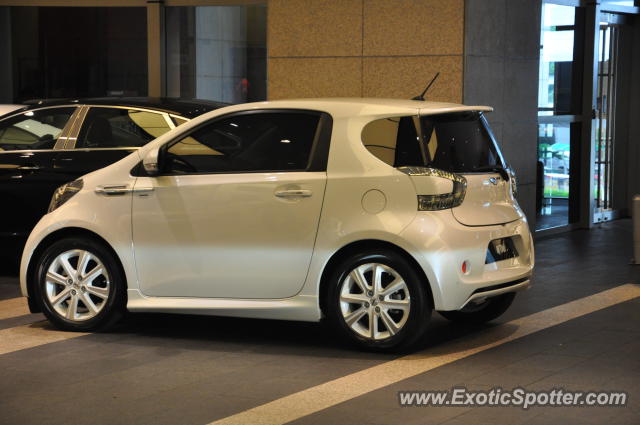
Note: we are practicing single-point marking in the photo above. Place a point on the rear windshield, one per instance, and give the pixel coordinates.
(459, 142)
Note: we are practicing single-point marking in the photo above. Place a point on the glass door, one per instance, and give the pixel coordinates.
(607, 102)
(559, 97)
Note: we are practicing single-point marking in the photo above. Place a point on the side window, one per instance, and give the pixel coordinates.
(394, 141)
(120, 127)
(265, 141)
(178, 120)
(34, 129)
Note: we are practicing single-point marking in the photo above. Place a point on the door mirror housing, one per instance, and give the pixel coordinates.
(152, 162)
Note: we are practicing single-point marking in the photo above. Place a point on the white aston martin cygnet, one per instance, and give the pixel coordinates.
(370, 213)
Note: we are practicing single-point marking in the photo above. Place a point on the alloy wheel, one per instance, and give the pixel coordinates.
(77, 285)
(374, 301)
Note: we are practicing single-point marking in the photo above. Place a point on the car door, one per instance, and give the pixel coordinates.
(28, 148)
(108, 134)
(235, 211)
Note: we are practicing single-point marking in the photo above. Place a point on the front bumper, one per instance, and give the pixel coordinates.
(442, 244)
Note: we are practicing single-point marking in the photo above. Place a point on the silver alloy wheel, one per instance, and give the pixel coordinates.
(375, 301)
(77, 285)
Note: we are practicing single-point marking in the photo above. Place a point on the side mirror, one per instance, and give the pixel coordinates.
(151, 162)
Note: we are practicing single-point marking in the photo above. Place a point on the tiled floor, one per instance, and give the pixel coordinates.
(162, 369)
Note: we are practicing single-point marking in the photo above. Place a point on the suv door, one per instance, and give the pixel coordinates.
(235, 211)
(27, 170)
(108, 134)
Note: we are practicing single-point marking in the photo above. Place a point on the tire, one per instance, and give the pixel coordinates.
(491, 309)
(397, 329)
(57, 273)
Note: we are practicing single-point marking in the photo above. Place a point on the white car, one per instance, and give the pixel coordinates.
(370, 213)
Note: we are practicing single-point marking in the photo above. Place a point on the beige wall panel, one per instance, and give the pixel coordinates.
(413, 27)
(314, 77)
(406, 77)
(315, 28)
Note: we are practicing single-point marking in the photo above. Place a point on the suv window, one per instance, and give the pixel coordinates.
(34, 129)
(120, 127)
(394, 141)
(264, 141)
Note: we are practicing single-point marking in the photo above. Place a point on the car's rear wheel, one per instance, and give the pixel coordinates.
(378, 301)
(80, 285)
(483, 311)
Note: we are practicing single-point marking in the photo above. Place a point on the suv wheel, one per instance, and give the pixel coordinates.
(378, 301)
(484, 311)
(80, 285)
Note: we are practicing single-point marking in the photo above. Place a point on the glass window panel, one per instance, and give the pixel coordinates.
(65, 52)
(216, 52)
(556, 59)
(246, 143)
(460, 142)
(554, 154)
(120, 127)
(394, 141)
(34, 129)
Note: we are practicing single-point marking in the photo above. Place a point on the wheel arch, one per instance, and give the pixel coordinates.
(358, 246)
(49, 240)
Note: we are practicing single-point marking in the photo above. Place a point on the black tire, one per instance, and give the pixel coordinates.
(115, 304)
(491, 309)
(419, 300)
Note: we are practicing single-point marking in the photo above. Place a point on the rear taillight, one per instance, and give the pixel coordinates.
(440, 201)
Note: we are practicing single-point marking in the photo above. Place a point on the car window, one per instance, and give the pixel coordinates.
(120, 127)
(459, 142)
(394, 141)
(269, 141)
(34, 129)
(178, 120)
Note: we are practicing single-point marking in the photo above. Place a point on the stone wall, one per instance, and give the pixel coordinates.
(368, 48)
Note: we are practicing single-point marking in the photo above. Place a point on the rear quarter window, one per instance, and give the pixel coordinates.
(394, 141)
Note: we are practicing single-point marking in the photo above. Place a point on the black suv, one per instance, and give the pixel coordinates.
(48, 143)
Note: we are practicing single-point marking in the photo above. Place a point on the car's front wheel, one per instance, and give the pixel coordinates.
(377, 300)
(482, 311)
(80, 285)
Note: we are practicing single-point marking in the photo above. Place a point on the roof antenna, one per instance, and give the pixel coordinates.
(421, 97)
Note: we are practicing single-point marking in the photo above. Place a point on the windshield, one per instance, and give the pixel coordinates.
(460, 142)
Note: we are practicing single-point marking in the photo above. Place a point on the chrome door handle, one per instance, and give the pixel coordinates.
(294, 193)
(121, 189)
(113, 189)
(29, 167)
(142, 189)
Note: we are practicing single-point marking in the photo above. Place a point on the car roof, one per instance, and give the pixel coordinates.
(8, 108)
(365, 106)
(187, 108)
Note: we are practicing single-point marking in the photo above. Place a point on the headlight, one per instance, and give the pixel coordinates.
(64, 193)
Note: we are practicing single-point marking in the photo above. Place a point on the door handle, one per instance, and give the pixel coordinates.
(29, 167)
(121, 189)
(113, 189)
(293, 193)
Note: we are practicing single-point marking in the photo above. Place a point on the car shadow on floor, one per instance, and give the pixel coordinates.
(276, 336)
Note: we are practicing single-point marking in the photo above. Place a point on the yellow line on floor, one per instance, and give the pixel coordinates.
(323, 396)
(32, 335)
(13, 307)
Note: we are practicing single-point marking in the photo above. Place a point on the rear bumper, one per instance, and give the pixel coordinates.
(441, 244)
(492, 291)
